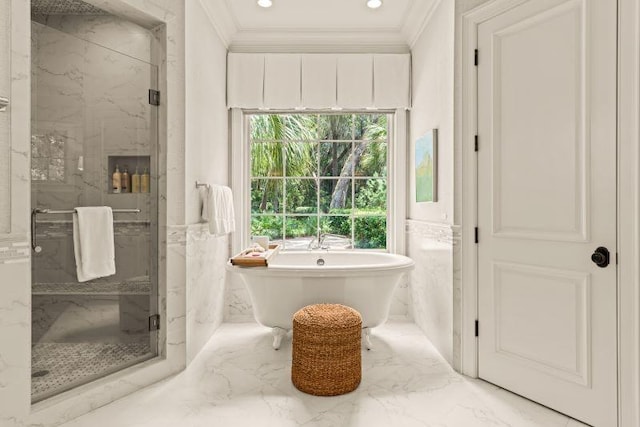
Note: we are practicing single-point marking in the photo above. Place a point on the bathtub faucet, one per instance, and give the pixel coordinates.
(316, 243)
(335, 236)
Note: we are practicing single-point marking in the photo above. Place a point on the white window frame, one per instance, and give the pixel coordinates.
(396, 175)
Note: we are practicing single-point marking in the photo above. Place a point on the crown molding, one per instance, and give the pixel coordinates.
(382, 40)
(305, 41)
(417, 19)
(222, 19)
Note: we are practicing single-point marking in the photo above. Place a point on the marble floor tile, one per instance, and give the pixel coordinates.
(239, 380)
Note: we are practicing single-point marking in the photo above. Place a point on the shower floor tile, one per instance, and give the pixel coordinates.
(60, 366)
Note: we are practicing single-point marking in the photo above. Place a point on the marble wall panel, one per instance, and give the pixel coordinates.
(400, 301)
(15, 328)
(15, 310)
(457, 298)
(175, 304)
(206, 160)
(167, 21)
(431, 287)
(5, 123)
(238, 307)
(206, 278)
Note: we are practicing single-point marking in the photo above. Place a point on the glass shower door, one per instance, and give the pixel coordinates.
(90, 116)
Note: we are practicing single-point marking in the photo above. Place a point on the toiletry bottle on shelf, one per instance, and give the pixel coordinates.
(125, 180)
(145, 181)
(116, 180)
(135, 182)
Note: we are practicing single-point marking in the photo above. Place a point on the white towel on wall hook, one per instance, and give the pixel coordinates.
(217, 209)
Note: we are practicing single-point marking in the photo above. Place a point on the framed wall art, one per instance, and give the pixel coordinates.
(426, 156)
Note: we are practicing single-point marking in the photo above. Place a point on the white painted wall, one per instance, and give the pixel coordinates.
(206, 160)
(430, 235)
(206, 111)
(462, 6)
(432, 94)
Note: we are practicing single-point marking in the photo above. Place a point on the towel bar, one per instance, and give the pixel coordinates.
(36, 211)
(202, 184)
(70, 211)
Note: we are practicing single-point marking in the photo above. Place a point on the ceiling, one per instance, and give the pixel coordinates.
(319, 25)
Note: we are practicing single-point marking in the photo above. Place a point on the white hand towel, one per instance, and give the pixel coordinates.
(217, 208)
(93, 242)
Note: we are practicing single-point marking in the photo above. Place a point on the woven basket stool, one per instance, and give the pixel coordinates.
(326, 349)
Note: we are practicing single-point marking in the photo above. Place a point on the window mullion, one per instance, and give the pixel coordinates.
(284, 194)
(353, 182)
(318, 208)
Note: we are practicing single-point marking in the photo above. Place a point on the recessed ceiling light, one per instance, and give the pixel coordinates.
(374, 4)
(267, 3)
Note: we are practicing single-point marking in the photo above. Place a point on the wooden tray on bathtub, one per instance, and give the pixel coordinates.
(247, 259)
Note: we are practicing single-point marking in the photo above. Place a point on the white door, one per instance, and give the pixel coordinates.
(546, 201)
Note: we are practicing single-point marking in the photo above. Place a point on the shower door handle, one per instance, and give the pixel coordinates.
(4, 103)
(34, 244)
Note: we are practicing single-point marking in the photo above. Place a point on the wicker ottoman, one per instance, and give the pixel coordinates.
(326, 349)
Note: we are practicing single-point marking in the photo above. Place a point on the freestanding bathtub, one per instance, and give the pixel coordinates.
(358, 279)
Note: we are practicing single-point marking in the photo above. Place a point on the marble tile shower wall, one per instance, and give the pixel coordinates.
(104, 30)
(56, 263)
(431, 291)
(91, 117)
(165, 18)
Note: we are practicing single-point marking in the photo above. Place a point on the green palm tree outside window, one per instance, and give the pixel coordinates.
(324, 173)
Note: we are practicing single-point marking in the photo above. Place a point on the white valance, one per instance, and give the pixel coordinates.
(318, 81)
(248, 84)
(281, 81)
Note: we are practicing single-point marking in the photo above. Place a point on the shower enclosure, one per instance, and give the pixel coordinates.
(93, 110)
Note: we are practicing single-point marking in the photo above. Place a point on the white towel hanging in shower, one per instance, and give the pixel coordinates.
(93, 242)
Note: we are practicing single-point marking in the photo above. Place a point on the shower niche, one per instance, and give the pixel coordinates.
(132, 165)
(91, 75)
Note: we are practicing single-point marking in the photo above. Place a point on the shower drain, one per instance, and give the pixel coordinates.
(37, 374)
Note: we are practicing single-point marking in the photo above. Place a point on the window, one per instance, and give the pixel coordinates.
(317, 174)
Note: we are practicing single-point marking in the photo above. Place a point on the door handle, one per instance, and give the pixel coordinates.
(34, 243)
(601, 257)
